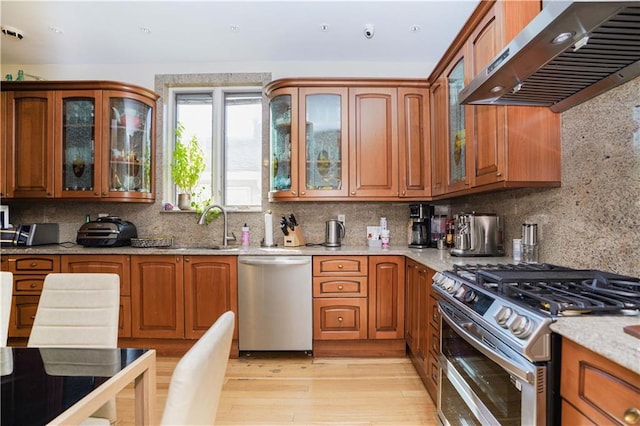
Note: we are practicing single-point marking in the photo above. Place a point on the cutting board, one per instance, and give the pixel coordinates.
(633, 330)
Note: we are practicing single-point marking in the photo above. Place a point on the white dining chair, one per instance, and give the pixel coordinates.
(196, 383)
(6, 292)
(79, 310)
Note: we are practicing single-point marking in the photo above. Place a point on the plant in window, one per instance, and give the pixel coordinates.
(188, 164)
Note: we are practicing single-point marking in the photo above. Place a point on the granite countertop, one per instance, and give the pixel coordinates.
(601, 334)
(605, 336)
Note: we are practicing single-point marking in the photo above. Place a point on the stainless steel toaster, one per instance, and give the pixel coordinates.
(478, 235)
(110, 231)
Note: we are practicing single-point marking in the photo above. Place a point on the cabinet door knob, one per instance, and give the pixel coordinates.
(631, 416)
(97, 194)
(353, 192)
(498, 174)
(340, 266)
(186, 259)
(104, 194)
(303, 193)
(339, 319)
(293, 193)
(340, 287)
(33, 317)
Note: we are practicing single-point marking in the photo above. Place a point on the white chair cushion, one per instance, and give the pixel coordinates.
(6, 291)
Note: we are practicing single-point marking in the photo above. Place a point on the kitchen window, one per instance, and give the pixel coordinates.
(228, 124)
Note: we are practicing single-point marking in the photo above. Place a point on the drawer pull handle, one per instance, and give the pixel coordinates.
(339, 319)
(632, 416)
(340, 287)
(340, 266)
(33, 264)
(33, 317)
(32, 285)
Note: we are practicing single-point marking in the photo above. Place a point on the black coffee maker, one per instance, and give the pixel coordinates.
(420, 215)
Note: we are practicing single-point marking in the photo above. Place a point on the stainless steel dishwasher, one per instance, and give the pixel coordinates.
(275, 303)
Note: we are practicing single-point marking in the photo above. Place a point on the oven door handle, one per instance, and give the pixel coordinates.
(503, 362)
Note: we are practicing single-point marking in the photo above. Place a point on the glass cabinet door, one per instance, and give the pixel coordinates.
(283, 177)
(129, 137)
(323, 168)
(79, 134)
(457, 177)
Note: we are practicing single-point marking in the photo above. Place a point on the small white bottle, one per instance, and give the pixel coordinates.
(383, 223)
(245, 236)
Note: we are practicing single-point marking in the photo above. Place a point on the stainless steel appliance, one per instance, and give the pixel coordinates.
(547, 62)
(109, 231)
(478, 235)
(34, 234)
(334, 233)
(499, 360)
(421, 215)
(275, 303)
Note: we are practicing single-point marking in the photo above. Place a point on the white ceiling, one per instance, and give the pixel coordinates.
(109, 32)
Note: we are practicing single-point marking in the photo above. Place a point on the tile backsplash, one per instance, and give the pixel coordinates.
(592, 221)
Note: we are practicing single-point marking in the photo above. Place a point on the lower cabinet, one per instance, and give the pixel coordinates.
(422, 322)
(358, 305)
(596, 390)
(181, 296)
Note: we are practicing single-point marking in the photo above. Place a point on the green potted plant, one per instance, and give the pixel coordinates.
(188, 164)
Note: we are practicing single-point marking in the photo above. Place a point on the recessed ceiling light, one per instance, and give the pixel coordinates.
(55, 30)
(144, 30)
(324, 28)
(234, 28)
(415, 28)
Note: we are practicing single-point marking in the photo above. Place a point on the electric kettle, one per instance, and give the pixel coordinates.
(334, 233)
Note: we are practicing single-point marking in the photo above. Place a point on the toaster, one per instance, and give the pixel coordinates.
(108, 231)
(478, 235)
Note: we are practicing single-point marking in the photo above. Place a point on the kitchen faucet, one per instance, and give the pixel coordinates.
(225, 237)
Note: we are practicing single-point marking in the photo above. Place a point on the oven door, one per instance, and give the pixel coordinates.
(482, 380)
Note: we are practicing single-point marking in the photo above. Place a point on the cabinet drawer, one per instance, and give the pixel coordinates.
(340, 287)
(28, 284)
(21, 264)
(339, 265)
(336, 319)
(599, 388)
(434, 341)
(433, 375)
(23, 313)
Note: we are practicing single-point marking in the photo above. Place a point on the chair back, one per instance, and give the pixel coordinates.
(77, 310)
(6, 291)
(196, 383)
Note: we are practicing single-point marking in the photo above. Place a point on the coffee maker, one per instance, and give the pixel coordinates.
(420, 216)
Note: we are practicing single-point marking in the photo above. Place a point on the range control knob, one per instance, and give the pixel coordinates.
(520, 326)
(449, 285)
(503, 315)
(465, 294)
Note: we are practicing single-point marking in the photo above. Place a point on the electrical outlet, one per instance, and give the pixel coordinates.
(342, 219)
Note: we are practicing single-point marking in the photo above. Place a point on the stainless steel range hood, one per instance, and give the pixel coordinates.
(602, 51)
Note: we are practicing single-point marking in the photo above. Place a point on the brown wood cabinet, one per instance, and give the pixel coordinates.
(358, 305)
(596, 390)
(3, 145)
(340, 290)
(71, 139)
(422, 325)
(489, 147)
(106, 264)
(210, 286)
(377, 147)
(178, 297)
(29, 272)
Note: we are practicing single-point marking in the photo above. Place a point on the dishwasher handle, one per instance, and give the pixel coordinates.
(275, 261)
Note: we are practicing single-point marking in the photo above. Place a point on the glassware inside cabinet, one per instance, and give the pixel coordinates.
(323, 142)
(129, 145)
(457, 141)
(78, 150)
(280, 143)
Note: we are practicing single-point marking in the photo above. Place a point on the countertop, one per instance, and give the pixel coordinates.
(601, 334)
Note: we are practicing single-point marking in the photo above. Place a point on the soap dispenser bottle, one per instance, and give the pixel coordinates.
(245, 236)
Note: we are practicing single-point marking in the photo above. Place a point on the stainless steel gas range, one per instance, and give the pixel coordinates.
(499, 360)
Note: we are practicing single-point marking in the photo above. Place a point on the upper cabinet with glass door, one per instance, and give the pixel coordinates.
(127, 171)
(283, 177)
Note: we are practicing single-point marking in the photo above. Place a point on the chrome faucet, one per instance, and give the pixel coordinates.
(225, 237)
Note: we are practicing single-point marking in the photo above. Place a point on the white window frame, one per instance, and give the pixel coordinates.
(169, 193)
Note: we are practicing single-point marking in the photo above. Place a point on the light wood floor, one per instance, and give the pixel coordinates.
(294, 389)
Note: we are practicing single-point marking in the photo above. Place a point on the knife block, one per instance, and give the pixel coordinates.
(295, 238)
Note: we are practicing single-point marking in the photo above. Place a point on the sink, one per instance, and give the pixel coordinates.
(214, 247)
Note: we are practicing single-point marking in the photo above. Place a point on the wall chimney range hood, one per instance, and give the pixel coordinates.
(600, 50)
